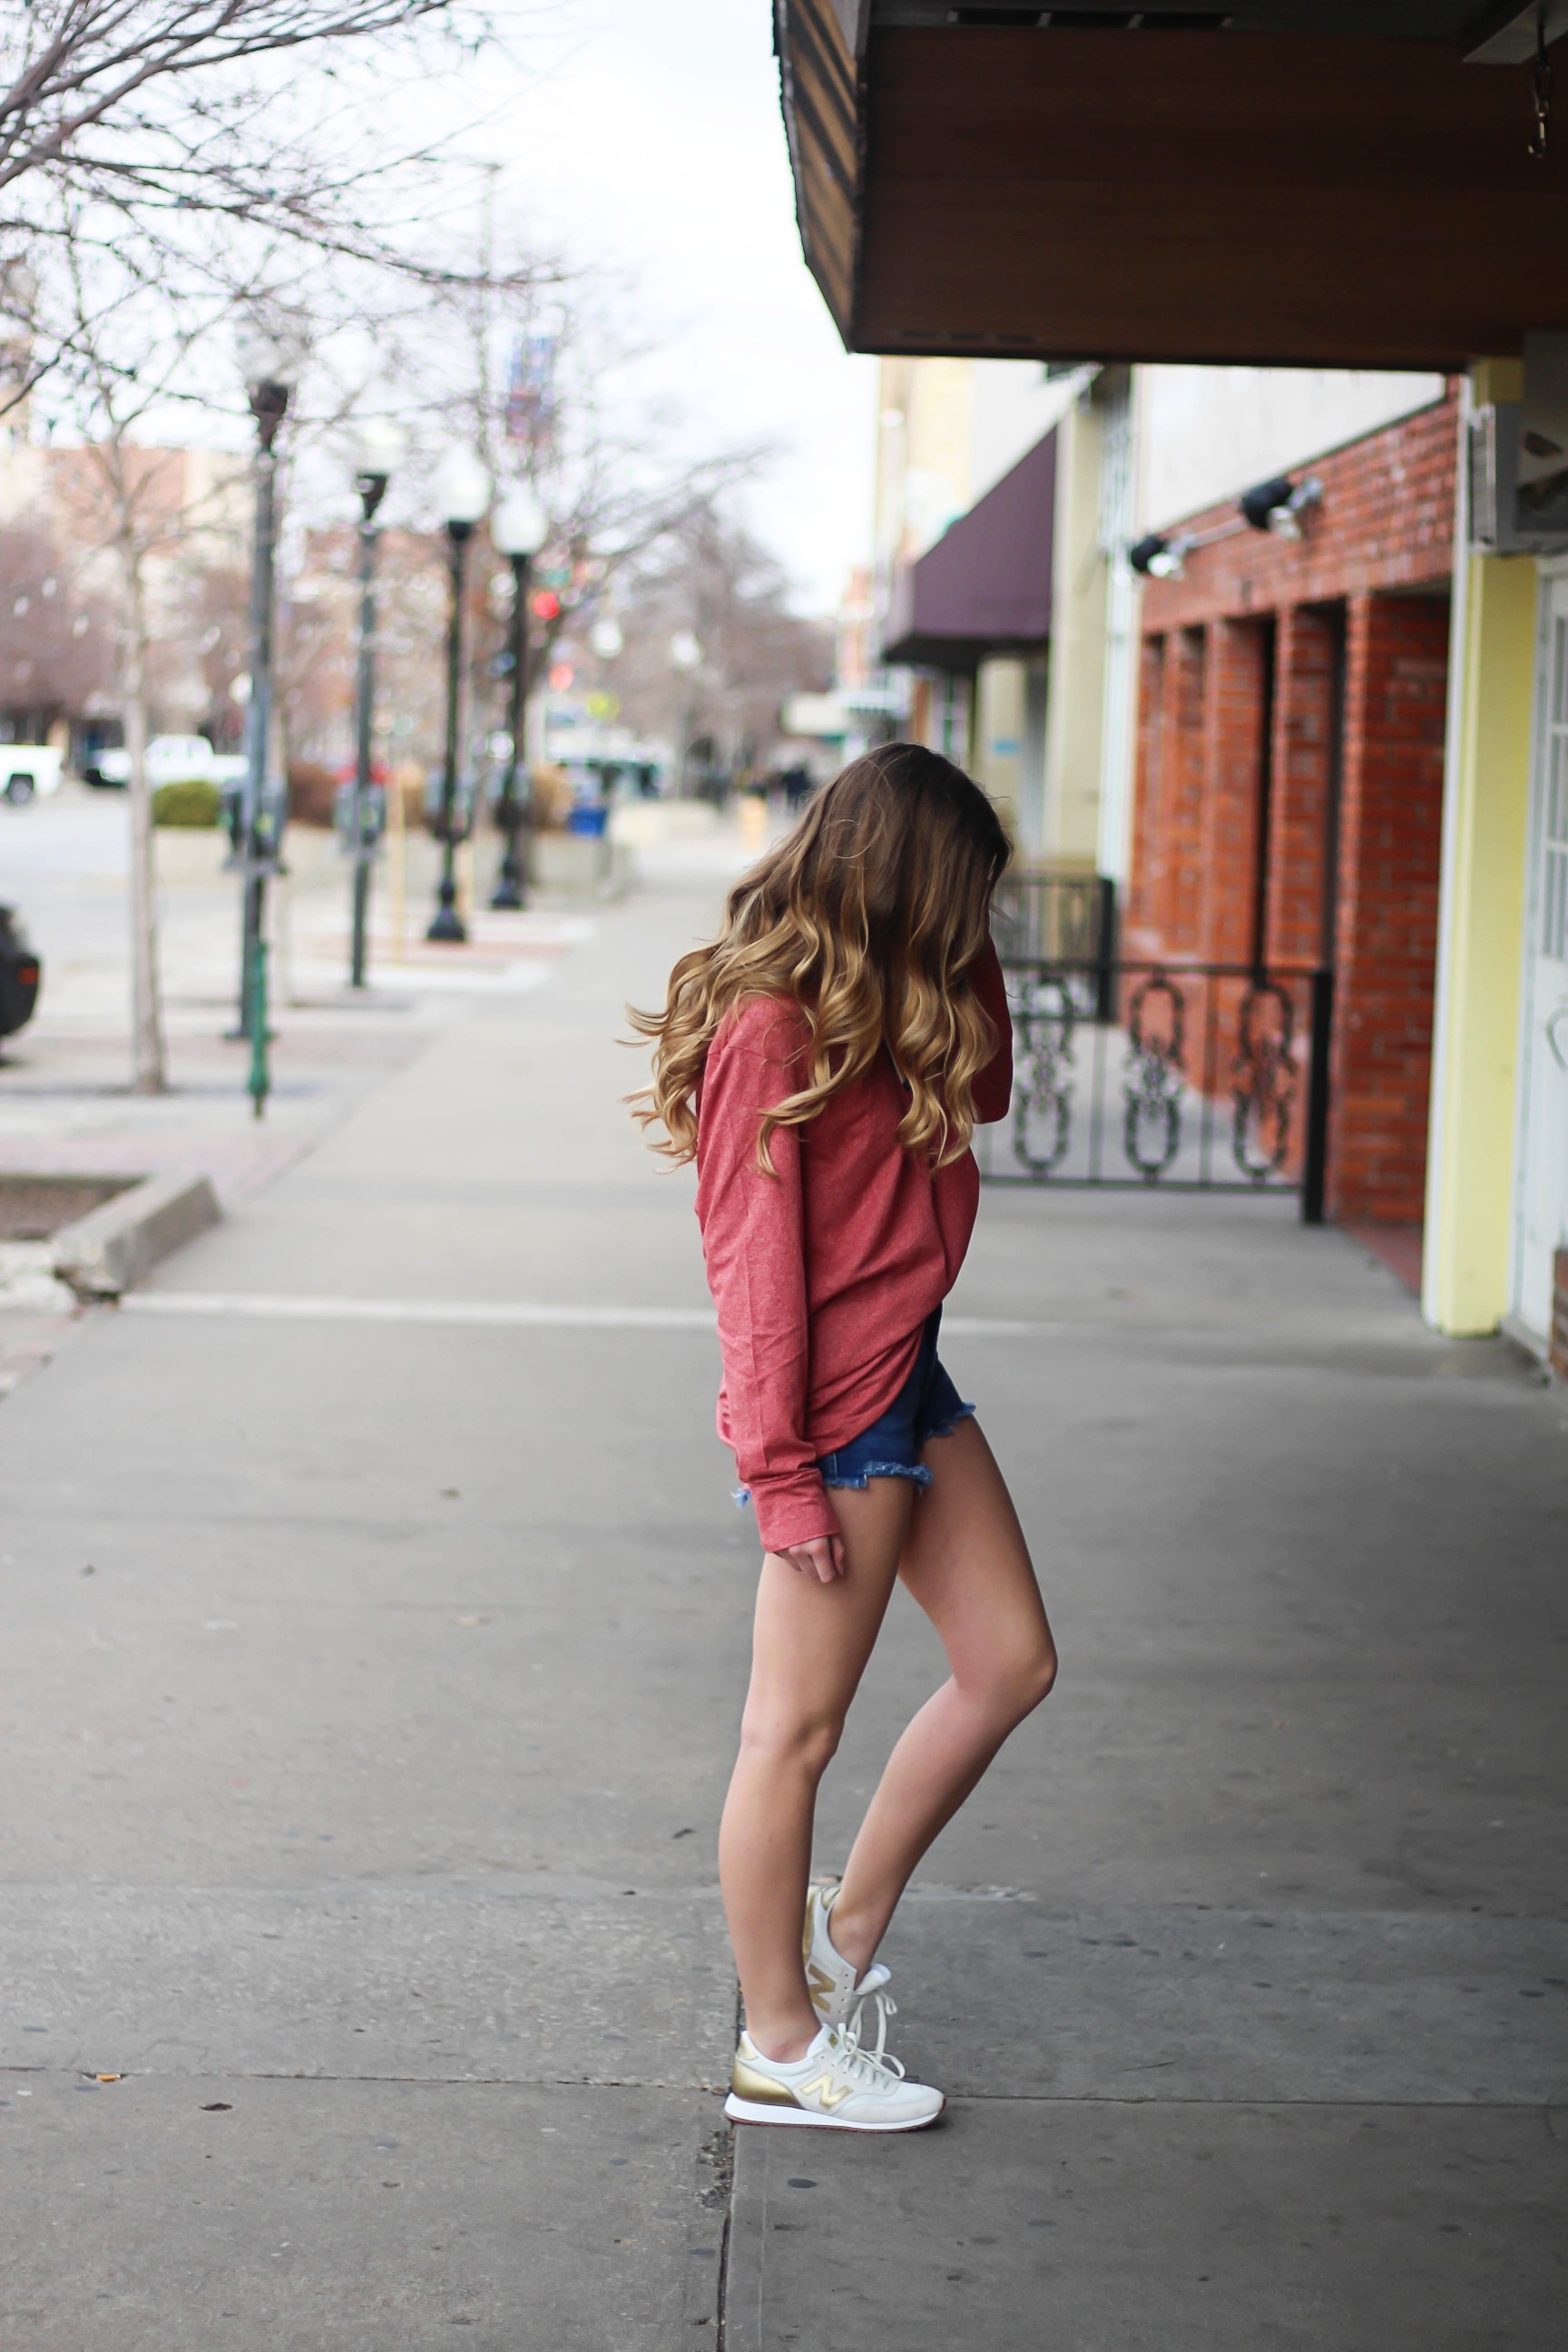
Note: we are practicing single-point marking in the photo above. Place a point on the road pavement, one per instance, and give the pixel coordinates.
(377, 1628)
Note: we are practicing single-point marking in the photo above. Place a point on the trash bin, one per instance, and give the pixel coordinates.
(589, 818)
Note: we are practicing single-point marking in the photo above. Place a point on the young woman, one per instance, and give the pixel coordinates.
(825, 1061)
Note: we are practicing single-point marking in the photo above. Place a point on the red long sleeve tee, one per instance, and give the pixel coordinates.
(824, 1273)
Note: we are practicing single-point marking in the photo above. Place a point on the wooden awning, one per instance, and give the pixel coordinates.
(985, 587)
(1258, 184)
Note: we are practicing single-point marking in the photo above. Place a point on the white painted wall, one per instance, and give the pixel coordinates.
(1210, 433)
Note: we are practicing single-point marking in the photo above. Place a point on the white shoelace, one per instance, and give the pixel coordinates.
(867, 2065)
(884, 2006)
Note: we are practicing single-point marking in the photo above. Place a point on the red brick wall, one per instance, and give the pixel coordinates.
(1304, 750)
(1386, 521)
(1385, 524)
(1386, 933)
(1165, 887)
(1233, 749)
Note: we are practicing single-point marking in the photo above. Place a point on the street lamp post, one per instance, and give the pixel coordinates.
(518, 529)
(380, 454)
(269, 360)
(685, 655)
(463, 483)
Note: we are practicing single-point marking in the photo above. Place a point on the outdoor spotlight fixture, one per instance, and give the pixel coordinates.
(1159, 558)
(1279, 504)
(518, 528)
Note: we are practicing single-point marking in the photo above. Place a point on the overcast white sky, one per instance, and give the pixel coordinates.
(646, 134)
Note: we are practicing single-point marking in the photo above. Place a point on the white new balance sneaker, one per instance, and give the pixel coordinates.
(836, 2086)
(830, 1978)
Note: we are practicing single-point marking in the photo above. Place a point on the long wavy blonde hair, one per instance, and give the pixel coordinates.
(869, 915)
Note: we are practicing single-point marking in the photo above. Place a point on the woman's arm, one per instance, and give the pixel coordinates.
(754, 1240)
(993, 1086)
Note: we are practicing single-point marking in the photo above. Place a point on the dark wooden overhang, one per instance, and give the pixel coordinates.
(985, 587)
(1333, 183)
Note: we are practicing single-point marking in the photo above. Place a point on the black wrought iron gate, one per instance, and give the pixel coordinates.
(1188, 1077)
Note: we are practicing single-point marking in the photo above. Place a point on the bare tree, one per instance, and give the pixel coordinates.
(708, 574)
(120, 86)
(134, 342)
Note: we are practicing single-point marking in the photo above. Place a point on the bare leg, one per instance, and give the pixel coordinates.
(810, 1644)
(967, 1564)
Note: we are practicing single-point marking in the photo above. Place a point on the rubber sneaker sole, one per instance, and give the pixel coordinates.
(753, 2111)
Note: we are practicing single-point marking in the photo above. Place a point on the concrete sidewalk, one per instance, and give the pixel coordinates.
(371, 1690)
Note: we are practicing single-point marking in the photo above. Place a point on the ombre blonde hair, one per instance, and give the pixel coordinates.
(870, 915)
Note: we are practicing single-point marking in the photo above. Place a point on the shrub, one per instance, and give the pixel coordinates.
(313, 790)
(197, 803)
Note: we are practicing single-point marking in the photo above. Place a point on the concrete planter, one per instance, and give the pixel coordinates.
(108, 1250)
(579, 865)
(189, 855)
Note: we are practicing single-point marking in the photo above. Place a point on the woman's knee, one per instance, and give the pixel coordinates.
(1021, 1682)
(784, 1736)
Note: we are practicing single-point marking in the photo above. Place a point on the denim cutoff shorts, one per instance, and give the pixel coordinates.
(927, 1406)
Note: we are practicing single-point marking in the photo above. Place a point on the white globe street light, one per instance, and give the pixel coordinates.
(685, 655)
(463, 487)
(519, 525)
(520, 528)
(382, 447)
(271, 350)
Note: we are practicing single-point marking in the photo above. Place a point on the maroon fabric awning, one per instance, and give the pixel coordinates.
(985, 587)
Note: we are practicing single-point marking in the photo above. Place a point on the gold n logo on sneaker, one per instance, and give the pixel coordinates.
(820, 1982)
(833, 2095)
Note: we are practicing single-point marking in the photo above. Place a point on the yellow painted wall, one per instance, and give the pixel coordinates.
(1469, 1181)
(1001, 731)
(1075, 705)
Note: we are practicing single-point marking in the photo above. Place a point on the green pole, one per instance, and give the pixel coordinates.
(259, 1082)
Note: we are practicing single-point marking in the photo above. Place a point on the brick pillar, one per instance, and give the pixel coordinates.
(1386, 933)
(1305, 725)
(1183, 758)
(1234, 717)
(1140, 925)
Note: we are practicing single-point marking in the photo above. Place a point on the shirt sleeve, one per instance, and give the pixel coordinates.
(993, 1086)
(754, 1242)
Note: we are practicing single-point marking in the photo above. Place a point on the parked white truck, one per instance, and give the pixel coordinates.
(28, 772)
(171, 759)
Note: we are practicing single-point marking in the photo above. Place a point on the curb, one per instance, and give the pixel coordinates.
(110, 1249)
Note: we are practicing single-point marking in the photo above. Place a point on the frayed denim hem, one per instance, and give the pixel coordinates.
(915, 1470)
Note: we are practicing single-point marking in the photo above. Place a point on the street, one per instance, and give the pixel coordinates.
(377, 1637)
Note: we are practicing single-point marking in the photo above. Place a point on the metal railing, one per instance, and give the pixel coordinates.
(1059, 920)
(1160, 1074)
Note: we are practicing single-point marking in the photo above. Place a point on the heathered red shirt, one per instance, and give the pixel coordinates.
(825, 1274)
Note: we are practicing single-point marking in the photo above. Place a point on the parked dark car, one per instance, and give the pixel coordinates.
(19, 973)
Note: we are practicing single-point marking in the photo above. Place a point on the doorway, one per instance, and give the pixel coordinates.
(1540, 1161)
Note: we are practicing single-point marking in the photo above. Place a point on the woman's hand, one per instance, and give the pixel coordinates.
(823, 1558)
